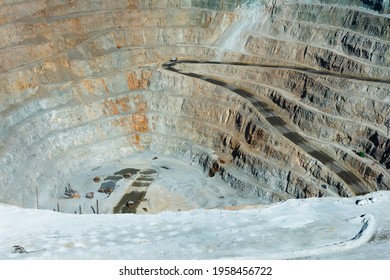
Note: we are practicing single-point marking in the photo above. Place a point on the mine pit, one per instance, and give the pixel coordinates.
(265, 121)
(199, 105)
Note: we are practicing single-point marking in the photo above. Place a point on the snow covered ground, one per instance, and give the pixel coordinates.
(319, 228)
(188, 215)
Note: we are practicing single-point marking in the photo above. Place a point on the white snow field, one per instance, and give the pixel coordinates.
(316, 228)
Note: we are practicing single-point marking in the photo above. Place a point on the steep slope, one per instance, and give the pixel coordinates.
(82, 84)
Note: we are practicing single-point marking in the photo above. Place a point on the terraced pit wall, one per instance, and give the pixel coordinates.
(81, 84)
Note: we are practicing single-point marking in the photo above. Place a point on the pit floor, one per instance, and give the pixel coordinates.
(157, 183)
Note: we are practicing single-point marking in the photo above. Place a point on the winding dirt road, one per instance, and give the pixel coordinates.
(355, 183)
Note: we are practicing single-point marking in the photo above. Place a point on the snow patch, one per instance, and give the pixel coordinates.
(311, 228)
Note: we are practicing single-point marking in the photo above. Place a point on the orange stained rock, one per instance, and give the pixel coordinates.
(19, 82)
(88, 85)
(22, 85)
(136, 141)
(105, 85)
(137, 138)
(114, 107)
(133, 82)
(139, 123)
(123, 102)
(132, 5)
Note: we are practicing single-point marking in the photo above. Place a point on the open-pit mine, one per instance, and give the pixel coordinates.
(146, 106)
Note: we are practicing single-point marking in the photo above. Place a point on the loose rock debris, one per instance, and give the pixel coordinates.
(365, 201)
(89, 195)
(19, 249)
(70, 192)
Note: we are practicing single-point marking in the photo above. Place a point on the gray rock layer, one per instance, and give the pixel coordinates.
(81, 83)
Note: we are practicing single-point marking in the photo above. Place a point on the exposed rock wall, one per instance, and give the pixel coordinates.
(331, 116)
(78, 78)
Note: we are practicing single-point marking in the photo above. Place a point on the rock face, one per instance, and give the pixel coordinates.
(83, 82)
